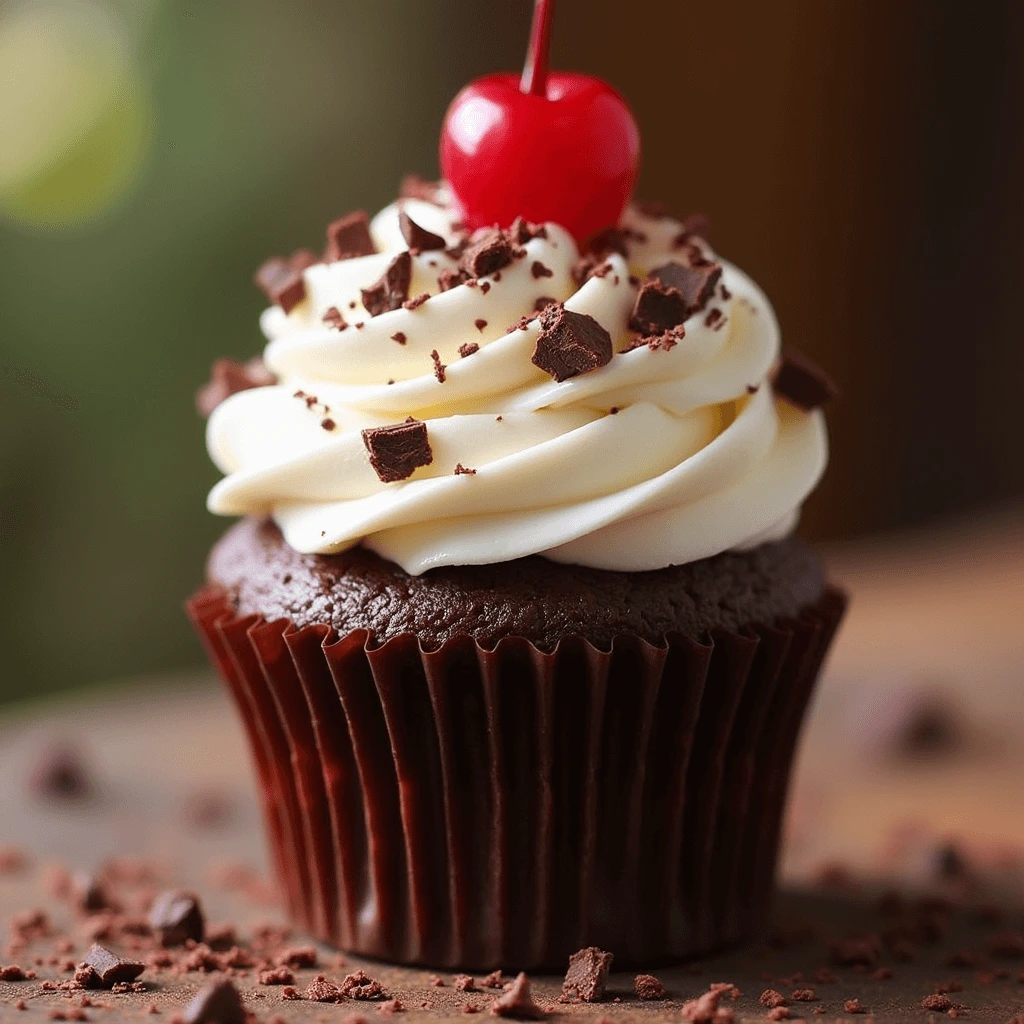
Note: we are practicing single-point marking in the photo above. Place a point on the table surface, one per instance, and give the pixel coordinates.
(934, 636)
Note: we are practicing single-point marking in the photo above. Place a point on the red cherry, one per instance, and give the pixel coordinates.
(560, 147)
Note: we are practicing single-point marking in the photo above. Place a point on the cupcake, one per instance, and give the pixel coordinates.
(515, 616)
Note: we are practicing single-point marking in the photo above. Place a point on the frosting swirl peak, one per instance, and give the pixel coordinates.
(647, 450)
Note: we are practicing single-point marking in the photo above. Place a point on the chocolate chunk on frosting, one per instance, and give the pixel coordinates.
(494, 250)
(415, 186)
(801, 383)
(398, 450)
(392, 289)
(228, 378)
(673, 293)
(349, 236)
(418, 238)
(570, 343)
(282, 281)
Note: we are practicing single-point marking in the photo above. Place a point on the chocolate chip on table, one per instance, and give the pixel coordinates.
(518, 1002)
(106, 968)
(349, 236)
(396, 451)
(392, 289)
(417, 237)
(177, 916)
(216, 1003)
(801, 383)
(570, 343)
(587, 975)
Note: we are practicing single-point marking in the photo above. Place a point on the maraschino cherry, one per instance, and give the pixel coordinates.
(556, 146)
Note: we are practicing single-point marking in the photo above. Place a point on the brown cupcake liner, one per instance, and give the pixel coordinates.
(476, 808)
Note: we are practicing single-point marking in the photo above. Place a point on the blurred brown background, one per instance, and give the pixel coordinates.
(863, 159)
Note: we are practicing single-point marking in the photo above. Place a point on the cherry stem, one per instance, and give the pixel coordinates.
(535, 72)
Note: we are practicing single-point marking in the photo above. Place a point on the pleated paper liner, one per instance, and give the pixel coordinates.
(472, 808)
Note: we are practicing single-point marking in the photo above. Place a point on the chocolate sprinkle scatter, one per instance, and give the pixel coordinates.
(348, 237)
(801, 383)
(587, 975)
(177, 916)
(216, 1003)
(282, 281)
(518, 1001)
(468, 349)
(400, 337)
(461, 470)
(480, 323)
(538, 270)
(439, 367)
(396, 451)
(494, 250)
(334, 318)
(392, 289)
(570, 343)
(418, 238)
(416, 302)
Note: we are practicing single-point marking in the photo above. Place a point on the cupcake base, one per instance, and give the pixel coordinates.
(478, 807)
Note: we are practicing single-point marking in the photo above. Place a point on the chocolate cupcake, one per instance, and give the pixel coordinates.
(516, 619)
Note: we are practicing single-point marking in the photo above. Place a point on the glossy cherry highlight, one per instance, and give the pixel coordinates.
(548, 146)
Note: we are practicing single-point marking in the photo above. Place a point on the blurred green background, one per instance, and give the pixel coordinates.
(863, 160)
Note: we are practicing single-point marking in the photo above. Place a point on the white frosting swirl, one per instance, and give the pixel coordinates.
(698, 458)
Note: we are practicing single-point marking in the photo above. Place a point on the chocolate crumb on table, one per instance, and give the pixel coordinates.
(463, 983)
(177, 916)
(102, 968)
(320, 990)
(359, 985)
(854, 1006)
(647, 987)
(216, 1003)
(480, 323)
(517, 1002)
(587, 975)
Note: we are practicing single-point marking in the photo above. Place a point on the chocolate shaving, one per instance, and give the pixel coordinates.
(468, 349)
(414, 186)
(348, 237)
(392, 289)
(439, 367)
(216, 1003)
(418, 238)
(107, 968)
(333, 318)
(396, 451)
(518, 1001)
(282, 281)
(448, 279)
(587, 975)
(570, 343)
(461, 470)
(416, 302)
(176, 917)
(801, 383)
(494, 250)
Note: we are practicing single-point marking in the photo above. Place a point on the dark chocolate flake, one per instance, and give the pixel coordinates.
(801, 383)
(392, 289)
(400, 337)
(108, 968)
(397, 450)
(216, 1003)
(282, 281)
(538, 270)
(418, 238)
(671, 295)
(349, 236)
(570, 343)
(479, 323)
(176, 917)
(334, 318)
